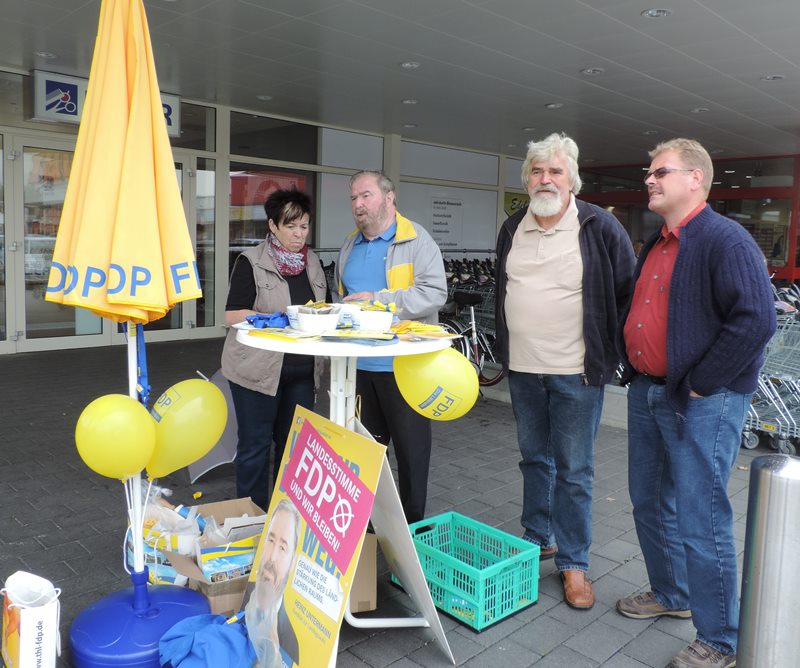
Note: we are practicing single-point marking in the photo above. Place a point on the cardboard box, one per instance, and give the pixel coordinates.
(364, 591)
(230, 515)
(225, 598)
(225, 595)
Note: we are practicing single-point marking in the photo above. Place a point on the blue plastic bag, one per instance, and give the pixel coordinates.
(262, 320)
(206, 641)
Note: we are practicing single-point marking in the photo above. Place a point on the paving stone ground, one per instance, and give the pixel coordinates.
(61, 521)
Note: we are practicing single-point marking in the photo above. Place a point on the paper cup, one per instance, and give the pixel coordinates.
(347, 314)
(291, 313)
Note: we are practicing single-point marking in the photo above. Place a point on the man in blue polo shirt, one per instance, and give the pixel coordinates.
(391, 259)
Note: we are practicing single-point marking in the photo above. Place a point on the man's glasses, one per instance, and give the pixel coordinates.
(661, 172)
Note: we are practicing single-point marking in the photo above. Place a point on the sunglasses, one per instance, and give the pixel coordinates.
(661, 172)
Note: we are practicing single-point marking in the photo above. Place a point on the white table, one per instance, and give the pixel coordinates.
(344, 356)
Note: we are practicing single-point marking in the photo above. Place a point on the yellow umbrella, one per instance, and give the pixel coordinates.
(123, 249)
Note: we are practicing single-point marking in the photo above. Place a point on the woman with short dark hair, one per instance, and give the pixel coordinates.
(266, 386)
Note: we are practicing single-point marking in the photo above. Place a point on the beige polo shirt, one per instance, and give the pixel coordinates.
(544, 306)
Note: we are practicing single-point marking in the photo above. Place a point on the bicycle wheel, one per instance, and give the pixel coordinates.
(487, 380)
(489, 371)
(486, 344)
(461, 344)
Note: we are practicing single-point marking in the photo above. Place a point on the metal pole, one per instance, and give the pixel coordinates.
(770, 610)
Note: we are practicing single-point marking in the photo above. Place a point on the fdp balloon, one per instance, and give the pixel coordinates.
(190, 417)
(441, 385)
(115, 436)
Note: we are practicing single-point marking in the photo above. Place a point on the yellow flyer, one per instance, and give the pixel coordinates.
(308, 551)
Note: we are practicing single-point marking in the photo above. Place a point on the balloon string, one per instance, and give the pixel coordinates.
(125, 550)
(129, 505)
(144, 506)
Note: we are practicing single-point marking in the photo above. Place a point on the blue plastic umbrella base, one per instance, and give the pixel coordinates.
(124, 628)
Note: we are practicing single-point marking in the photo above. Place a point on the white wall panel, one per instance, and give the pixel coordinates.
(350, 150)
(435, 162)
(457, 218)
(513, 173)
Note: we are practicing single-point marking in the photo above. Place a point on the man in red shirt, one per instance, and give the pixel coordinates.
(694, 333)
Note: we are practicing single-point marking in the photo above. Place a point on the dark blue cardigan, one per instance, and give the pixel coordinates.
(721, 311)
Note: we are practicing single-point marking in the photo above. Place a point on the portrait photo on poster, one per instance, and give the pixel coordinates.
(268, 625)
(308, 552)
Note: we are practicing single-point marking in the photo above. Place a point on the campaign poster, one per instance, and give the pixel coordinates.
(308, 552)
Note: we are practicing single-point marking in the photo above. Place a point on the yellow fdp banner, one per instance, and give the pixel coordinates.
(309, 549)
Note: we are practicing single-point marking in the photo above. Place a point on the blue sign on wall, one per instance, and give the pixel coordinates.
(60, 98)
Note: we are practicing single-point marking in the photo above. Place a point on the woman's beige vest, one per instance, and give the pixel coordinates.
(257, 369)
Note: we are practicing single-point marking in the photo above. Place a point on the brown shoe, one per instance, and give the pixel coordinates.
(547, 553)
(646, 606)
(544, 552)
(577, 589)
(700, 655)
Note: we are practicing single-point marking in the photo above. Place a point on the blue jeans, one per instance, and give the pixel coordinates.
(683, 517)
(557, 419)
(263, 419)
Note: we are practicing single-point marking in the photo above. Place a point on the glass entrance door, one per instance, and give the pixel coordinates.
(38, 186)
(33, 183)
(45, 176)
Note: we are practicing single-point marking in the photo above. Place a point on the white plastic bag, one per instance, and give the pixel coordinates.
(31, 611)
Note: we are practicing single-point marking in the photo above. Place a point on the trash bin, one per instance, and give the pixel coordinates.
(770, 609)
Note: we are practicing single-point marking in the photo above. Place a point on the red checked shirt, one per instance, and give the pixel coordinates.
(645, 329)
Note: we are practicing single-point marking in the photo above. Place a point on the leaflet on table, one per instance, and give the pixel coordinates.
(363, 336)
(413, 330)
(286, 334)
(309, 549)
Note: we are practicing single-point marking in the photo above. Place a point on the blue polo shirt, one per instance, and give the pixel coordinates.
(365, 271)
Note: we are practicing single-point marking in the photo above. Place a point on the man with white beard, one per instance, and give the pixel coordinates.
(564, 273)
(268, 625)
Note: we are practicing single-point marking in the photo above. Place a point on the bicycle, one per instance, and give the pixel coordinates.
(472, 342)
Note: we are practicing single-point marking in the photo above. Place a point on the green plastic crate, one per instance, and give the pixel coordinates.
(476, 573)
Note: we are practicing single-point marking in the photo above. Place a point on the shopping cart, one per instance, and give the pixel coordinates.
(775, 409)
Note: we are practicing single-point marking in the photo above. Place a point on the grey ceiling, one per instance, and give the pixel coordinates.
(487, 67)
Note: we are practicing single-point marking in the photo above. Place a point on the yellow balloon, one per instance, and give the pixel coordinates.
(441, 385)
(190, 418)
(115, 436)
